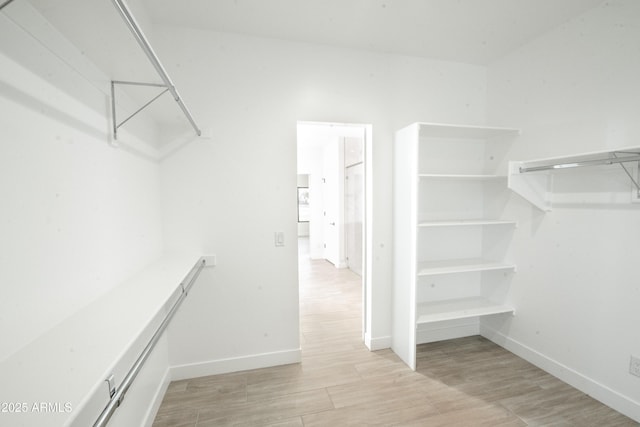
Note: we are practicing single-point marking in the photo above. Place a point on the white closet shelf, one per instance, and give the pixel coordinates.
(466, 222)
(532, 179)
(431, 268)
(109, 332)
(478, 177)
(437, 130)
(458, 309)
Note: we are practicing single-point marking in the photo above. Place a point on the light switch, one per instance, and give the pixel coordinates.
(279, 238)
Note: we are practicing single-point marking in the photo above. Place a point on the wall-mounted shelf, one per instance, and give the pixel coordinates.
(475, 177)
(432, 268)
(104, 337)
(533, 179)
(82, 51)
(451, 131)
(462, 308)
(466, 222)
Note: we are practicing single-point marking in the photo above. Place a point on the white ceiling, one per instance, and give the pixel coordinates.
(469, 31)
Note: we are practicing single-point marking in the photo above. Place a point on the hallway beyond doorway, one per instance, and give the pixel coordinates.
(333, 162)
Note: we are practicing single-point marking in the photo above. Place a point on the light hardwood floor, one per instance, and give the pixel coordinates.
(464, 382)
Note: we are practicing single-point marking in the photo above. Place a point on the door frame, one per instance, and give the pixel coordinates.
(367, 240)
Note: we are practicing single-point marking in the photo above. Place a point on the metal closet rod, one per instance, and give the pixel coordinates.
(148, 50)
(118, 396)
(596, 162)
(4, 3)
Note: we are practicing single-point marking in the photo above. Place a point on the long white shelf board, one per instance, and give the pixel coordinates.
(579, 157)
(431, 268)
(478, 177)
(458, 309)
(537, 186)
(78, 354)
(466, 222)
(437, 130)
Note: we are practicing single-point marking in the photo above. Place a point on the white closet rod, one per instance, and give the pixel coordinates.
(148, 50)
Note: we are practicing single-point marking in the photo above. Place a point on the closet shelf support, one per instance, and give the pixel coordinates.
(135, 29)
(117, 125)
(635, 181)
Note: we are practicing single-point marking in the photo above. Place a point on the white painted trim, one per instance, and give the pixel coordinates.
(379, 343)
(598, 391)
(425, 335)
(235, 364)
(150, 416)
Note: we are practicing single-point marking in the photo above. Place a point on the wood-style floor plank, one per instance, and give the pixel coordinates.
(463, 382)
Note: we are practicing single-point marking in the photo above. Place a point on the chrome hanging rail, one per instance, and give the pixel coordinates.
(5, 3)
(596, 162)
(613, 157)
(117, 394)
(148, 50)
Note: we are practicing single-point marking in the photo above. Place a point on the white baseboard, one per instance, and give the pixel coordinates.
(378, 343)
(235, 364)
(598, 391)
(157, 399)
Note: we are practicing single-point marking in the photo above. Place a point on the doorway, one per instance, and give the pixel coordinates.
(332, 173)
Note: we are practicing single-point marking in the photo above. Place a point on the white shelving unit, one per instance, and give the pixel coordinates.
(450, 241)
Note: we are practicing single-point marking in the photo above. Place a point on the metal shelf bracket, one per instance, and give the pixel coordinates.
(634, 180)
(117, 125)
(135, 29)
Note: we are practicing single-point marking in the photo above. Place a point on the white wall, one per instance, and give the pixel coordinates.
(576, 291)
(229, 196)
(78, 216)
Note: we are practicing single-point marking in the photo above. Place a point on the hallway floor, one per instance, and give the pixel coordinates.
(464, 382)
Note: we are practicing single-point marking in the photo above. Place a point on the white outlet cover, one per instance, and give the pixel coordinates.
(634, 366)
